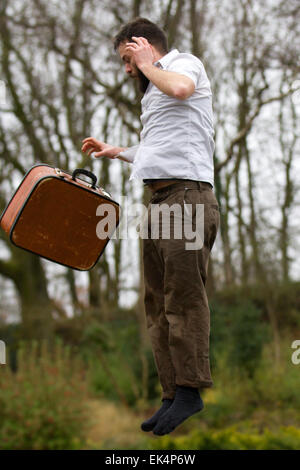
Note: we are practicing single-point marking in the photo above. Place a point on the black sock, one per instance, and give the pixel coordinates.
(187, 402)
(151, 422)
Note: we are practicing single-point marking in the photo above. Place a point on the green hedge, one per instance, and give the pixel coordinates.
(232, 439)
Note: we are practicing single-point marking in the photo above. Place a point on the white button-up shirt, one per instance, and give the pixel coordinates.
(177, 138)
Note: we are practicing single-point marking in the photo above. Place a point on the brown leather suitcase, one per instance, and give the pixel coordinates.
(61, 217)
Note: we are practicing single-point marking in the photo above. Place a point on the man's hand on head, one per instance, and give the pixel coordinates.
(172, 84)
(142, 51)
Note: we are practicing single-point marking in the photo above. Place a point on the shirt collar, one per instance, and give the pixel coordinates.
(164, 61)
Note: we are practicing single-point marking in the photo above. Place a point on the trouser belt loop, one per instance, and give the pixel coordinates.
(199, 184)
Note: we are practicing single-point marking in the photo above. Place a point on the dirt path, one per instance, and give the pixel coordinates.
(115, 427)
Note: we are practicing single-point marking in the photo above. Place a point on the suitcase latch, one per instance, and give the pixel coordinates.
(59, 172)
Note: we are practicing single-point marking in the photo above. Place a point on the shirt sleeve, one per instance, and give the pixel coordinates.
(129, 153)
(187, 65)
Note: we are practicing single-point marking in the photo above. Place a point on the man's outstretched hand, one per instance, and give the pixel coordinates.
(91, 145)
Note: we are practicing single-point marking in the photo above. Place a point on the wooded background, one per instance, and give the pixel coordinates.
(64, 83)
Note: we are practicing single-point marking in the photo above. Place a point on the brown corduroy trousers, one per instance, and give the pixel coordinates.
(177, 310)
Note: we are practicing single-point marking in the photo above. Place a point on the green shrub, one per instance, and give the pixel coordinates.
(287, 438)
(113, 354)
(42, 405)
(277, 384)
(270, 397)
(109, 372)
(238, 332)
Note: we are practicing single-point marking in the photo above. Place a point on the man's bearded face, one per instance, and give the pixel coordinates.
(131, 69)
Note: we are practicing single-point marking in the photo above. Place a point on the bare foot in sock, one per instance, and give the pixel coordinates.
(151, 422)
(187, 402)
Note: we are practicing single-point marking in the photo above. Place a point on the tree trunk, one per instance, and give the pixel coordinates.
(36, 306)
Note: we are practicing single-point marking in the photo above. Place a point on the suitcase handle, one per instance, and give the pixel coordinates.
(86, 173)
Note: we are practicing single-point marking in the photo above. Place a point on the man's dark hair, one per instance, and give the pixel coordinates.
(145, 28)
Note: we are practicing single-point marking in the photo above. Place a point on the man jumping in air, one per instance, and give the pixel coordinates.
(175, 160)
